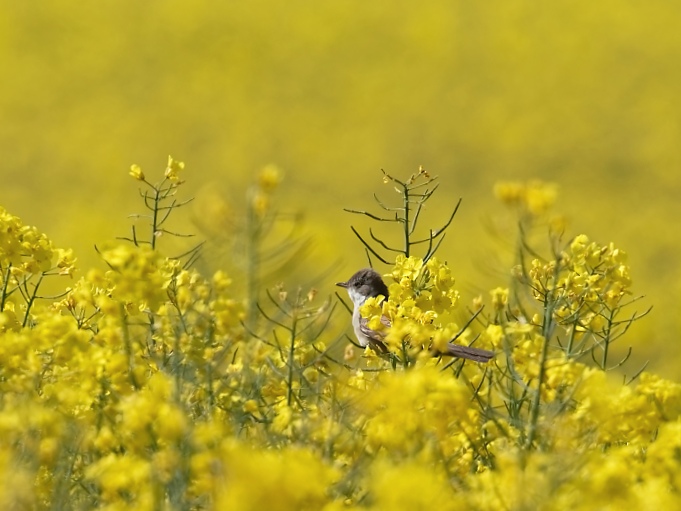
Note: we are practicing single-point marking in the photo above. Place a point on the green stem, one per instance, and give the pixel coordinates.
(289, 396)
(406, 221)
(536, 400)
(128, 348)
(571, 341)
(547, 329)
(4, 288)
(154, 221)
(606, 340)
(29, 304)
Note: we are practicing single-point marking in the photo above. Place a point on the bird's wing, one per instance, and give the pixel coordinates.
(370, 333)
(375, 337)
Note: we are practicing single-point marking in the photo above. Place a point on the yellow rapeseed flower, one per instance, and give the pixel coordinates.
(269, 178)
(173, 169)
(136, 172)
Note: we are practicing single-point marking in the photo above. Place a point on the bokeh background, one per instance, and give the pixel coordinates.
(584, 94)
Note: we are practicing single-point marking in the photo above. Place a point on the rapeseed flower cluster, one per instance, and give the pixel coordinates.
(145, 385)
(422, 307)
(533, 198)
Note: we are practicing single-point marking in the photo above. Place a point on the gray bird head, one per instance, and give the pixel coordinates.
(364, 284)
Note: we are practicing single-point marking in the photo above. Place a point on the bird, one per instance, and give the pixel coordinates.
(367, 283)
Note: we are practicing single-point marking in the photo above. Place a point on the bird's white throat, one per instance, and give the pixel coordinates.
(357, 297)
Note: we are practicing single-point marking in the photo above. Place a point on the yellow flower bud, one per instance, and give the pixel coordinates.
(136, 172)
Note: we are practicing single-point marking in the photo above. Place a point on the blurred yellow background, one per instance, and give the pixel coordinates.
(584, 94)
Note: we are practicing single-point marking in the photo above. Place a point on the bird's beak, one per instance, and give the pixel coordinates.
(342, 284)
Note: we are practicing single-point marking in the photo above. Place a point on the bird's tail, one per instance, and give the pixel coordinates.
(467, 352)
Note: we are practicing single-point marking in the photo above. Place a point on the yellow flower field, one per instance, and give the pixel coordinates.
(147, 385)
(170, 334)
